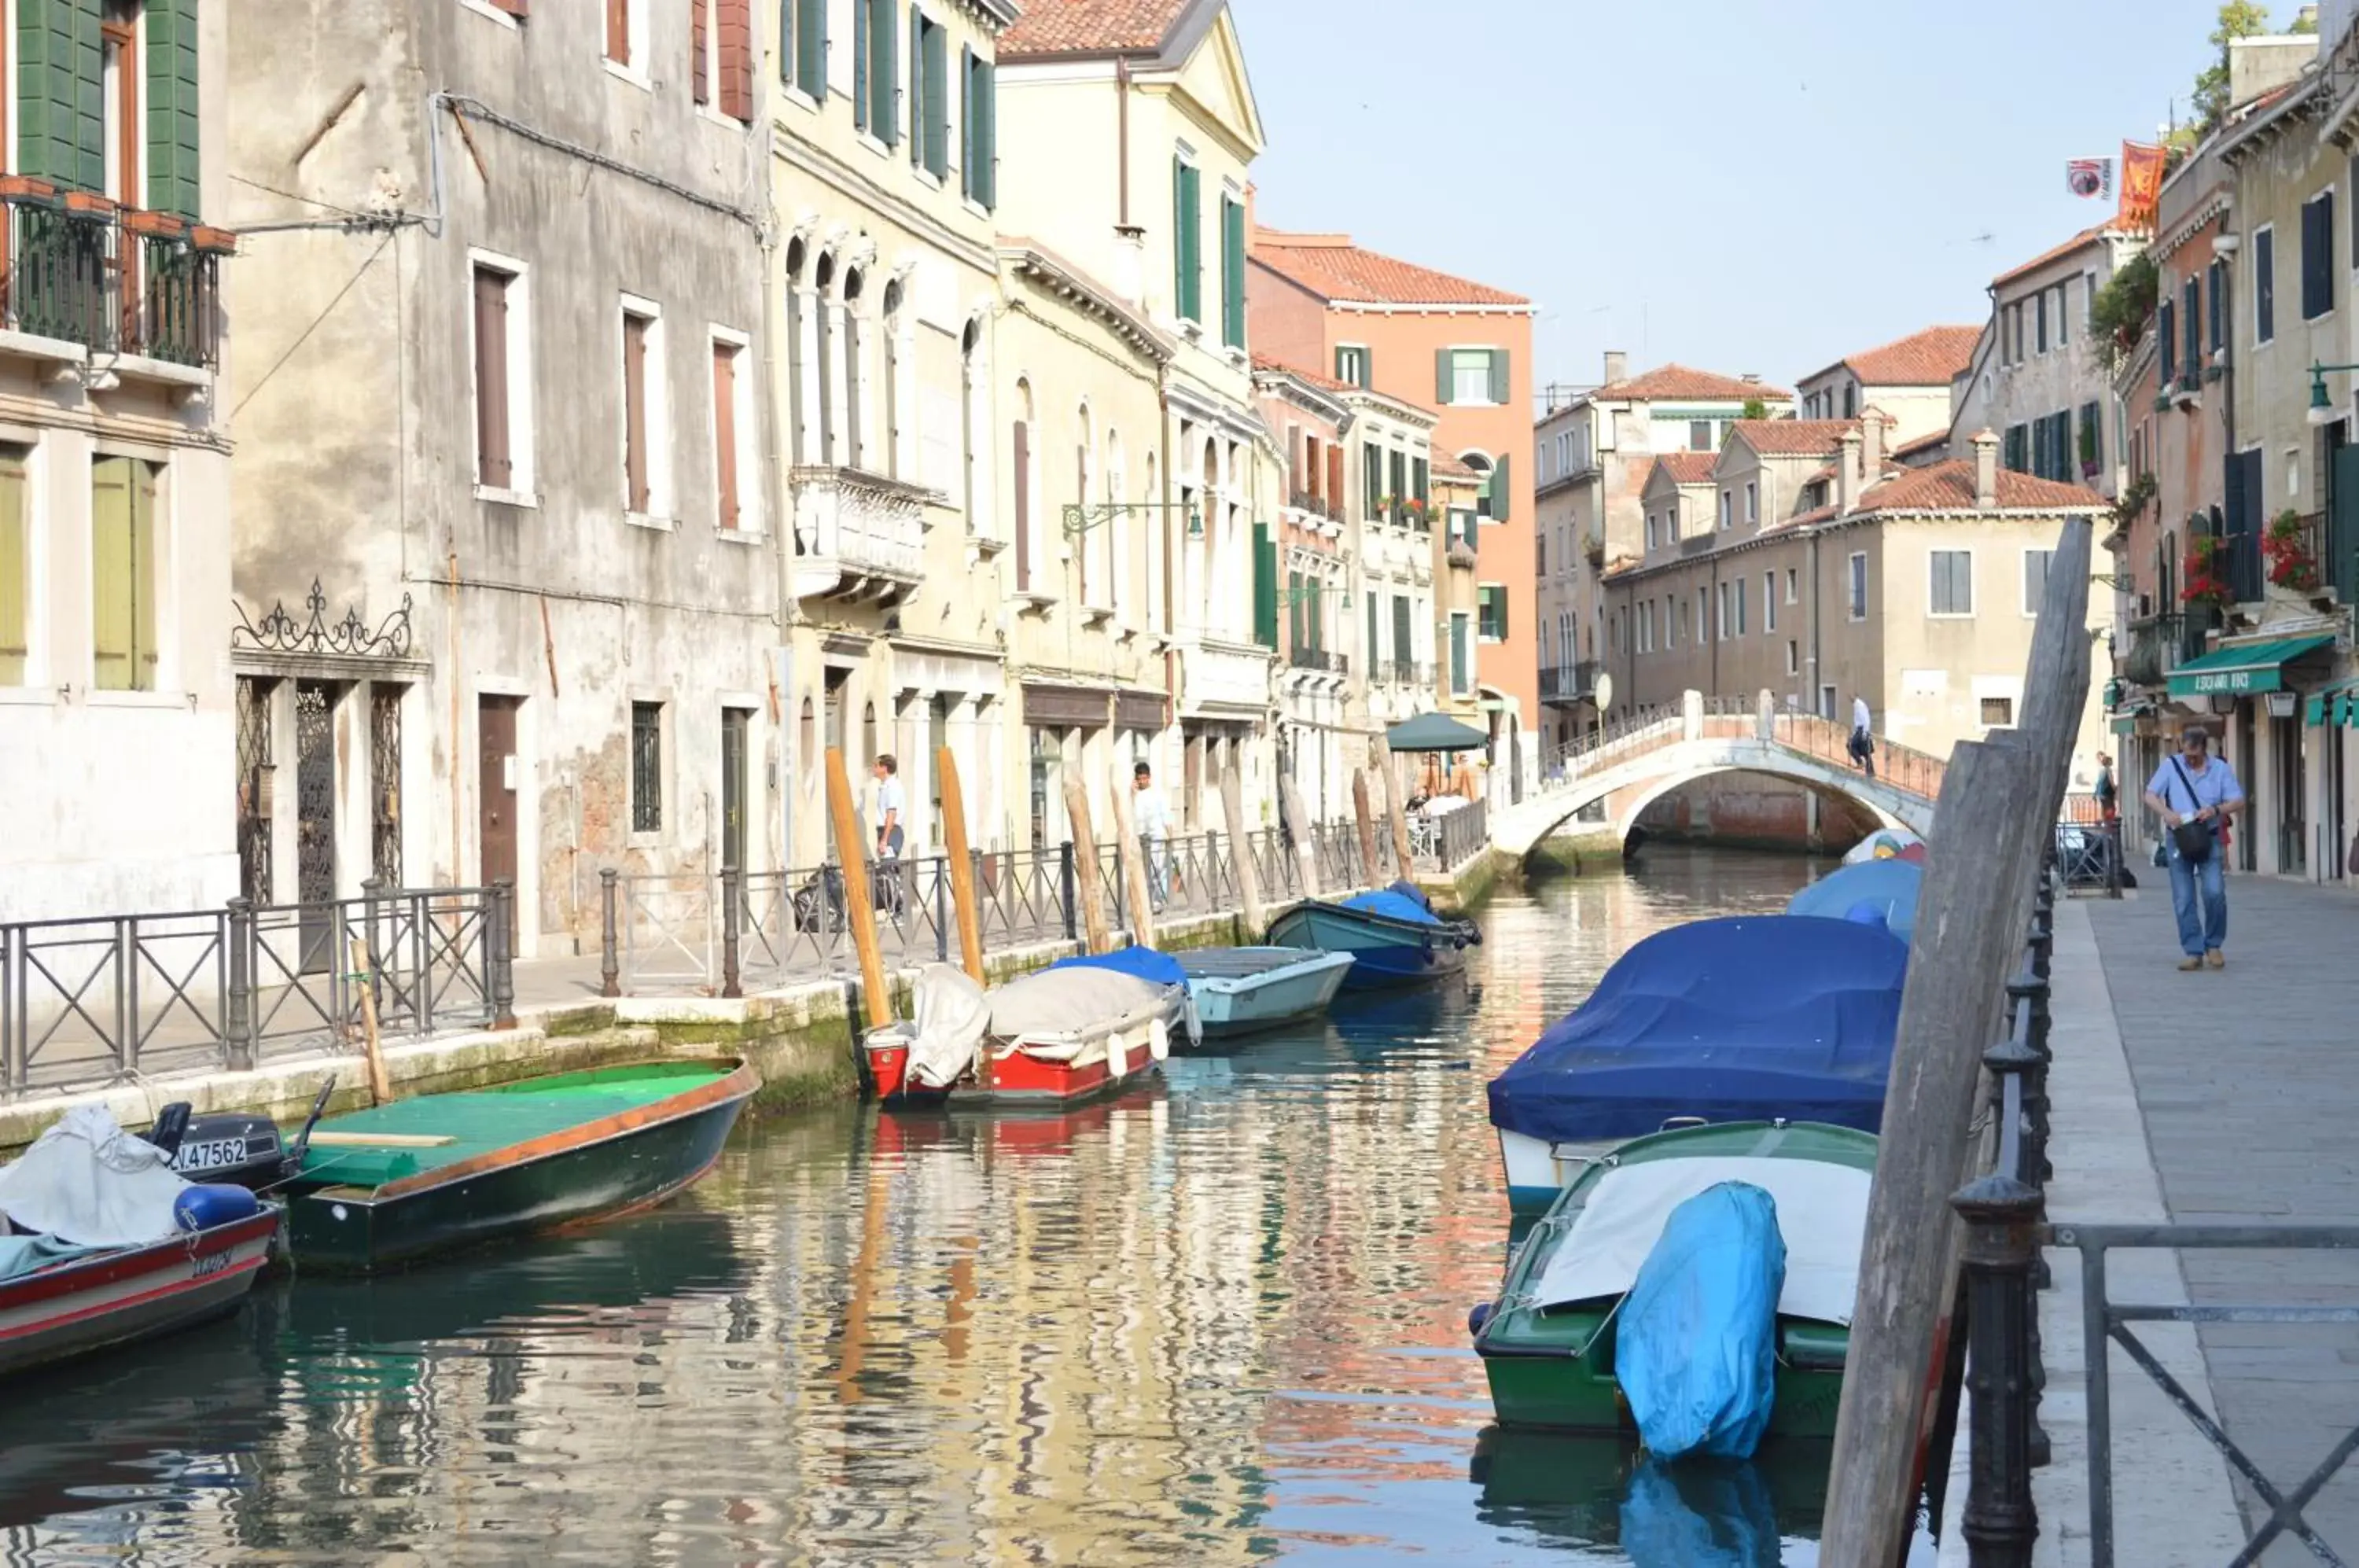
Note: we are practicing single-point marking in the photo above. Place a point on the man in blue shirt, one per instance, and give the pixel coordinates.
(2196, 786)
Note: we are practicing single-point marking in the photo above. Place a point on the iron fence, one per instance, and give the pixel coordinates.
(95, 1000)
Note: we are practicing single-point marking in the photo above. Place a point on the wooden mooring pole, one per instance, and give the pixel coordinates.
(961, 867)
(859, 906)
(1089, 876)
(1241, 853)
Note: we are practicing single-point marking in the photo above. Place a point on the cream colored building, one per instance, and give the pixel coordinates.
(1079, 373)
(884, 175)
(1126, 139)
(1916, 591)
(1909, 379)
(1389, 457)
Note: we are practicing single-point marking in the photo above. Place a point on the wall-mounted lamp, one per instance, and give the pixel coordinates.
(1080, 520)
(2322, 411)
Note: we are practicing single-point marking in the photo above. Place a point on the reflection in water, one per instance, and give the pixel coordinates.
(1219, 1320)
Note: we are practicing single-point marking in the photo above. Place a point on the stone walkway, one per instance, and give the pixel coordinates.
(2247, 1083)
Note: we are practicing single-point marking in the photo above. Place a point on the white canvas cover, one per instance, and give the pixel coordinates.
(88, 1181)
(1821, 1213)
(1080, 1001)
(952, 1014)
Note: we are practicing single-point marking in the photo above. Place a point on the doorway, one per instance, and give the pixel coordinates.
(496, 751)
(2293, 832)
(2248, 757)
(315, 821)
(734, 727)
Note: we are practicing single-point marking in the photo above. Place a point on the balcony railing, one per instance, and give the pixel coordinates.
(2160, 644)
(858, 535)
(80, 270)
(1406, 672)
(1325, 660)
(2240, 557)
(1568, 682)
(1317, 505)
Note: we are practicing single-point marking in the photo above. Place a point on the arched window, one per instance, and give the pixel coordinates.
(1481, 464)
(831, 392)
(1155, 558)
(855, 373)
(1019, 460)
(799, 351)
(897, 377)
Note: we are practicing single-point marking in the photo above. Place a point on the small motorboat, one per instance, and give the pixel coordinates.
(1872, 892)
(1239, 989)
(1393, 935)
(102, 1244)
(386, 1186)
(1551, 1341)
(1719, 1020)
(1073, 1031)
(244, 1148)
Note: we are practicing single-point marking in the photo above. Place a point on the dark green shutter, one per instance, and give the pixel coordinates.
(811, 47)
(917, 87)
(1367, 369)
(862, 47)
(1179, 236)
(886, 115)
(1420, 475)
(986, 150)
(1294, 602)
(1441, 387)
(1264, 554)
(1369, 653)
(937, 100)
(172, 106)
(966, 121)
(1187, 220)
(1499, 376)
(60, 94)
(1233, 273)
(1316, 621)
(1502, 489)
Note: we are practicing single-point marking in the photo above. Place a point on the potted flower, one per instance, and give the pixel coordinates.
(2286, 546)
(2205, 573)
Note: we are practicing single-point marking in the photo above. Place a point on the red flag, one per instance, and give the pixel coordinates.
(2141, 185)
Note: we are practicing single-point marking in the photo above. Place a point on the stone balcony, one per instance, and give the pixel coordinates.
(859, 537)
(1222, 679)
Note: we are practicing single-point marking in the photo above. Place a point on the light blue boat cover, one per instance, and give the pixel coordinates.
(1751, 1015)
(1696, 1351)
(1699, 1515)
(1891, 886)
(1146, 963)
(1393, 907)
(24, 1253)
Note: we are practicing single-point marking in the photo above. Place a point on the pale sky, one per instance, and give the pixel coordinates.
(1743, 186)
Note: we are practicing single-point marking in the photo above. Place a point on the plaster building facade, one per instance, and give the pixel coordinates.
(115, 387)
(513, 424)
(1323, 677)
(1909, 379)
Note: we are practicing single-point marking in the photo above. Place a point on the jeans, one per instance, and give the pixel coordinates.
(2204, 925)
(1158, 860)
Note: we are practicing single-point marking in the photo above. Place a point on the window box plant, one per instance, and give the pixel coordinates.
(2204, 572)
(2287, 548)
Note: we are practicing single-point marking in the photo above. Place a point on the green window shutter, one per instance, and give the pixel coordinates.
(1502, 488)
(1314, 622)
(1294, 610)
(1179, 236)
(1441, 377)
(937, 100)
(916, 96)
(1187, 216)
(1265, 555)
(1372, 480)
(172, 106)
(966, 122)
(1369, 652)
(861, 47)
(1499, 376)
(14, 589)
(1420, 475)
(1233, 273)
(1367, 369)
(60, 94)
(111, 598)
(886, 113)
(811, 47)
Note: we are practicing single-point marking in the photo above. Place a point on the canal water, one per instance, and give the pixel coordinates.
(1220, 1320)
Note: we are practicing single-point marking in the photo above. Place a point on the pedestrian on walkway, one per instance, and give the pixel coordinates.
(1862, 742)
(2195, 790)
(2108, 792)
(1151, 820)
(891, 808)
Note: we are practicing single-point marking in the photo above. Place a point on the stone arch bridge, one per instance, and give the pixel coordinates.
(1626, 765)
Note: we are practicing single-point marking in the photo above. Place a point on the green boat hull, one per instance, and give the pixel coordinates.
(1553, 1368)
(601, 1168)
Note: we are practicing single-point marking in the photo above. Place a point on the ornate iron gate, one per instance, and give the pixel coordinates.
(254, 775)
(385, 784)
(315, 819)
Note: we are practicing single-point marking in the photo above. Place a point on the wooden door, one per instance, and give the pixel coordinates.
(495, 745)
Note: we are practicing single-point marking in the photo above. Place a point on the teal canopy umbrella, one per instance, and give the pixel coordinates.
(1435, 732)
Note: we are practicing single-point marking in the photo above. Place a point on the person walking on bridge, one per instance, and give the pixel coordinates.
(1862, 740)
(2195, 793)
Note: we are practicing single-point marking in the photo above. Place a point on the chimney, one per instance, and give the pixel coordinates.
(1618, 367)
(1847, 474)
(1985, 471)
(1129, 271)
(1871, 456)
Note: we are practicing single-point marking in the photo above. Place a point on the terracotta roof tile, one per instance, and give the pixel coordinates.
(1930, 358)
(1335, 269)
(1279, 367)
(1448, 467)
(1680, 382)
(1950, 487)
(1922, 443)
(1793, 437)
(1044, 28)
(1688, 467)
(2080, 241)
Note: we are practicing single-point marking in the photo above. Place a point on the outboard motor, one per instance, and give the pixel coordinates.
(238, 1148)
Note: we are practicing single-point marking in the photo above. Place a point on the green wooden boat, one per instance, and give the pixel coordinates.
(464, 1169)
(1547, 1342)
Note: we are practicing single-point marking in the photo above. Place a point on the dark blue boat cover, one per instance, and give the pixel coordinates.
(1411, 891)
(1753, 1016)
(1394, 906)
(1146, 963)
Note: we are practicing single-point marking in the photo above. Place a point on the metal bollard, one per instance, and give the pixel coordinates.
(610, 957)
(239, 1044)
(942, 908)
(2014, 1058)
(499, 954)
(1067, 892)
(2000, 1522)
(730, 986)
(373, 891)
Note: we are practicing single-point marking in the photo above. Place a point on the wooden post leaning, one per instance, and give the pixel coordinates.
(1367, 824)
(1131, 856)
(1297, 827)
(968, 912)
(1232, 812)
(1089, 876)
(859, 907)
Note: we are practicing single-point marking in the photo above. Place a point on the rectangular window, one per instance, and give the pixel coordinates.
(1793, 585)
(802, 46)
(2216, 291)
(2017, 456)
(1351, 365)
(1740, 586)
(646, 767)
(1491, 600)
(2166, 338)
(929, 99)
(2039, 315)
(2035, 578)
(15, 568)
(1826, 702)
(1752, 502)
(1951, 589)
(123, 579)
(1396, 482)
(2318, 255)
(1720, 615)
(1999, 712)
(2264, 285)
(1704, 615)
(1471, 376)
(1232, 272)
(1372, 481)
(1698, 435)
(978, 128)
(503, 379)
(642, 391)
(1793, 656)
(1187, 250)
(1725, 509)
(1768, 601)
(731, 391)
(877, 69)
(1857, 596)
(1650, 530)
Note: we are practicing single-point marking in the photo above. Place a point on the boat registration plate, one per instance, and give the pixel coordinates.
(214, 1154)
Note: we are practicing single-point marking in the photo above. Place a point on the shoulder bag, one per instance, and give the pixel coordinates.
(2191, 838)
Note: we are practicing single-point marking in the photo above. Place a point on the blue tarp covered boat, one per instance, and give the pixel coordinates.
(1750, 1016)
(1885, 888)
(1393, 935)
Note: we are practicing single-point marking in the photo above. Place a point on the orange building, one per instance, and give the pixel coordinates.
(1464, 348)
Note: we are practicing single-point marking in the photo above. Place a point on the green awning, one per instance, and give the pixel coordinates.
(2330, 705)
(1435, 732)
(2126, 721)
(2239, 672)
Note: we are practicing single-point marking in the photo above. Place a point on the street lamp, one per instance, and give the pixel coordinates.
(1080, 520)
(2322, 411)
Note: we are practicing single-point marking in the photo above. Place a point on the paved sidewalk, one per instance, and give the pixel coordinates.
(2247, 1083)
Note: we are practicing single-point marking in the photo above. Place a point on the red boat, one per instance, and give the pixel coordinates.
(1050, 1040)
(95, 1300)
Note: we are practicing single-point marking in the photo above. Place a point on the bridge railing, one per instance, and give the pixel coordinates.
(1904, 767)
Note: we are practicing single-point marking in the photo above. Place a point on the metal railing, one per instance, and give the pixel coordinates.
(96, 1000)
(2160, 644)
(731, 934)
(1451, 840)
(1640, 730)
(1325, 660)
(180, 314)
(81, 270)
